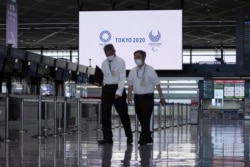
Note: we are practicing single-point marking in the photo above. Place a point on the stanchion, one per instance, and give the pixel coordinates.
(55, 134)
(165, 117)
(172, 113)
(181, 106)
(159, 117)
(65, 117)
(152, 120)
(99, 117)
(186, 109)
(59, 113)
(39, 127)
(188, 113)
(22, 118)
(7, 139)
(78, 117)
(46, 129)
(178, 114)
(136, 124)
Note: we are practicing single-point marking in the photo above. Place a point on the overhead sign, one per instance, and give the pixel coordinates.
(158, 32)
(11, 23)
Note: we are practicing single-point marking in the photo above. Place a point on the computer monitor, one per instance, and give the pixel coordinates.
(72, 66)
(32, 70)
(49, 61)
(61, 63)
(79, 78)
(66, 75)
(18, 54)
(33, 57)
(9, 64)
(58, 74)
(3, 54)
(47, 90)
(43, 71)
(91, 71)
(82, 68)
(2, 60)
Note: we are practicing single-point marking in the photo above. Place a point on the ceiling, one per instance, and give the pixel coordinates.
(54, 23)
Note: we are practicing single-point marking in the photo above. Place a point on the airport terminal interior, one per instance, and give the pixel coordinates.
(51, 107)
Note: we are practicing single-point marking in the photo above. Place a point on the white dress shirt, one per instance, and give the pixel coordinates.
(114, 72)
(143, 79)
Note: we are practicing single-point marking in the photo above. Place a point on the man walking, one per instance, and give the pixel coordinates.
(142, 80)
(113, 93)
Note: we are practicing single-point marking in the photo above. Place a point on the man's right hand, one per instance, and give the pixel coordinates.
(97, 84)
(129, 100)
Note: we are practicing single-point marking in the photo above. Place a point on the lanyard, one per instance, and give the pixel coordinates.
(140, 77)
(110, 66)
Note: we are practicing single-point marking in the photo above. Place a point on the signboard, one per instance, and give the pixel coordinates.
(158, 32)
(11, 22)
(229, 89)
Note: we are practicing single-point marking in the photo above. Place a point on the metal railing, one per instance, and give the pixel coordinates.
(167, 116)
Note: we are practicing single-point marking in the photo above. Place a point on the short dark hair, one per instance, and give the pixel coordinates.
(108, 47)
(143, 53)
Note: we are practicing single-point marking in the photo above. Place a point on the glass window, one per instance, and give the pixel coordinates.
(186, 59)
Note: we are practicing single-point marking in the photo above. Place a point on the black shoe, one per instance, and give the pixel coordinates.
(142, 143)
(150, 140)
(102, 142)
(129, 140)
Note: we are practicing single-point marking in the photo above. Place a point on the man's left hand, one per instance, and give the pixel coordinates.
(117, 96)
(162, 101)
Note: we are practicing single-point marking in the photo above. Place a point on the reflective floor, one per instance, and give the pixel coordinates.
(212, 143)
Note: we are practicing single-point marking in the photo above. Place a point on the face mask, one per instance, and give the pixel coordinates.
(111, 58)
(138, 62)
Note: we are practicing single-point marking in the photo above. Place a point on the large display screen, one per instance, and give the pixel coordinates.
(158, 32)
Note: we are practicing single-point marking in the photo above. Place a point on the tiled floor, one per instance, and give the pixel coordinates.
(212, 143)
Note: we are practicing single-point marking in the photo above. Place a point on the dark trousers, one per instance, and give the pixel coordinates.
(121, 106)
(144, 105)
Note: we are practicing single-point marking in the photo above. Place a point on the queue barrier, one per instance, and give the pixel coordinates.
(49, 99)
(167, 116)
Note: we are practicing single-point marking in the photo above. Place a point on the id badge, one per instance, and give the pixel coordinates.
(113, 73)
(142, 84)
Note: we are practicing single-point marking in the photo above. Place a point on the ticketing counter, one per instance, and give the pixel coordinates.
(42, 89)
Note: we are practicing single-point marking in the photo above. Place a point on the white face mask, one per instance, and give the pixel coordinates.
(111, 58)
(138, 62)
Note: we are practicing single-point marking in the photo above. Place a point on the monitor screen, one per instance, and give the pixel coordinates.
(33, 69)
(42, 71)
(2, 59)
(59, 74)
(72, 66)
(18, 53)
(82, 68)
(66, 75)
(3, 54)
(61, 63)
(158, 32)
(3, 50)
(47, 89)
(79, 78)
(33, 57)
(9, 65)
(49, 61)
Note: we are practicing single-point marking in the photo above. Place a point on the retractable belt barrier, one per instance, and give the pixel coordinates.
(167, 116)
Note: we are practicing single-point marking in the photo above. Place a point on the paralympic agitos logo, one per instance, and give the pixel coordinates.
(154, 37)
